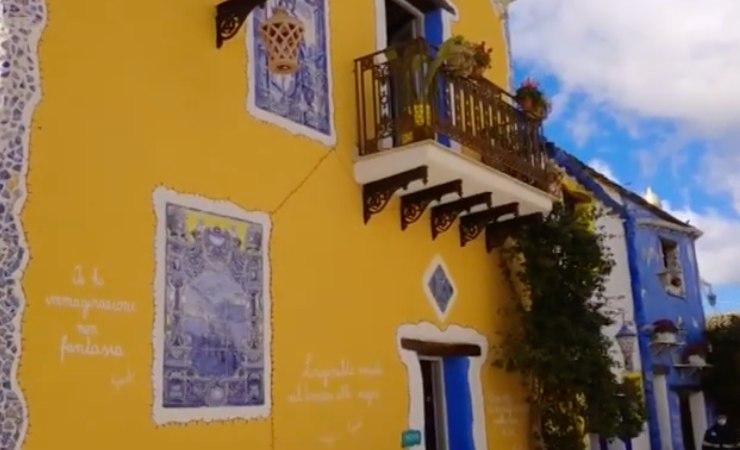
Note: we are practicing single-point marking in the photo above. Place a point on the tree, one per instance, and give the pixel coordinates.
(720, 380)
(558, 268)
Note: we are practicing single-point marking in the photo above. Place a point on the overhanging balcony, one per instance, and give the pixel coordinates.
(457, 143)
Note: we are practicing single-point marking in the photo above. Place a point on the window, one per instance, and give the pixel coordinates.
(403, 22)
(672, 274)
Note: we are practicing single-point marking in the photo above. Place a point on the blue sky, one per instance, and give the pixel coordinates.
(650, 96)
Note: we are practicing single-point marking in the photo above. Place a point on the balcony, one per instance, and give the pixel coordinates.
(459, 144)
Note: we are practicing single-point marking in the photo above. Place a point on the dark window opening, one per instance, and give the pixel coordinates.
(435, 435)
(401, 24)
(687, 428)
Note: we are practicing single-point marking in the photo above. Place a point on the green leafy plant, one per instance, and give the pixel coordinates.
(461, 58)
(719, 380)
(558, 269)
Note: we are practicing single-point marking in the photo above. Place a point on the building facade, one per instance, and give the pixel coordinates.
(234, 232)
(622, 334)
(668, 309)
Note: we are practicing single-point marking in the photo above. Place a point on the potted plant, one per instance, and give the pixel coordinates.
(665, 332)
(532, 100)
(460, 58)
(695, 354)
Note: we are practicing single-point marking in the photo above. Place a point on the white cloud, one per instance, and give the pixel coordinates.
(603, 168)
(581, 127)
(718, 250)
(674, 59)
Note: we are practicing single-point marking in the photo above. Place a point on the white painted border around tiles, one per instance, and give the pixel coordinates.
(329, 140)
(163, 415)
(438, 261)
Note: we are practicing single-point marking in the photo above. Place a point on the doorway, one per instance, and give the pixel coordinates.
(687, 424)
(435, 429)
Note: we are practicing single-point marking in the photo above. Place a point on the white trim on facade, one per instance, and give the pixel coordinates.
(428, 332)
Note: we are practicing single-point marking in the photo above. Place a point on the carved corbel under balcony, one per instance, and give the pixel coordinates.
(444, 215)
(413, 205)
(230, 16)
(377, 194)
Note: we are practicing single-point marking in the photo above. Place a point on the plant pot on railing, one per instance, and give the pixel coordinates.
(665, 332)
(417, 117)
(282, 35)
(532, 100)
(459, 58)
(695, 355)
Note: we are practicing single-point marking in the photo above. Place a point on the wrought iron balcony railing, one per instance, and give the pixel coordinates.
(395, 107)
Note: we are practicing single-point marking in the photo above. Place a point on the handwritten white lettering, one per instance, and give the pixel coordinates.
(122, 381)
(354, 427)
(88, 348)
(88, 304)
(87, 329)
(78, 277)
(343, 370)
(368, 396)
(506, 414)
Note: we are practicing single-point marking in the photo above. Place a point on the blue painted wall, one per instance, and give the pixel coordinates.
(652, 302)
(459, 403)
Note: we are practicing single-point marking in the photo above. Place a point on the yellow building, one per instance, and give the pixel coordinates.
(202, 245)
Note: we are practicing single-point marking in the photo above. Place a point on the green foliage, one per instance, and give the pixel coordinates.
(720, 380)
(556, 343)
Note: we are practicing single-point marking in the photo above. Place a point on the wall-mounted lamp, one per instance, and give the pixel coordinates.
(626, 339)
(230, 16)
(711, 296)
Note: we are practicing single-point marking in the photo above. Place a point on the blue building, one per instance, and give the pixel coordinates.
(668, 309)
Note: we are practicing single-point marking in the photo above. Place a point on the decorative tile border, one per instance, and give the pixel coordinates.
(170, 208)
(21, 24)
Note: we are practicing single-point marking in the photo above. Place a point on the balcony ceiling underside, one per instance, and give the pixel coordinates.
(430, 175)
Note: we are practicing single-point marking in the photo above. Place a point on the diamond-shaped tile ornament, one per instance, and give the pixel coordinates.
(439, 287)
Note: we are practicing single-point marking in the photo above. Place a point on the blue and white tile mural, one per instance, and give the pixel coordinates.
(300, 102)
(212, 321)
(439, 287)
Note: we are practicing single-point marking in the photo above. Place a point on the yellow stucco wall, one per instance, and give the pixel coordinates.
(135, 96)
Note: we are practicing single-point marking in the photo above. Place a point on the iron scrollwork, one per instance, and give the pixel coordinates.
(443, 216)
(496, 233)
(472, 224)
(230, 16)
(377, 194)
(413, 205)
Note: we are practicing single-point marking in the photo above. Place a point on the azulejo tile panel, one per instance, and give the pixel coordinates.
(301, 102)
(21, 24)
(212, 327)
(439, 287)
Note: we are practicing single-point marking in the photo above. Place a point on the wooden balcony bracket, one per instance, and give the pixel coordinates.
(377, 194)
(444, 215)
(471, 225)
(413, 205)
(497, 232)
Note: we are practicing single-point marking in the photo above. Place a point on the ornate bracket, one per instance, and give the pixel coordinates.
(377, 194)
(443, 216)
(413, 205)
(497, 232)
(230, 16)
(472, 224)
